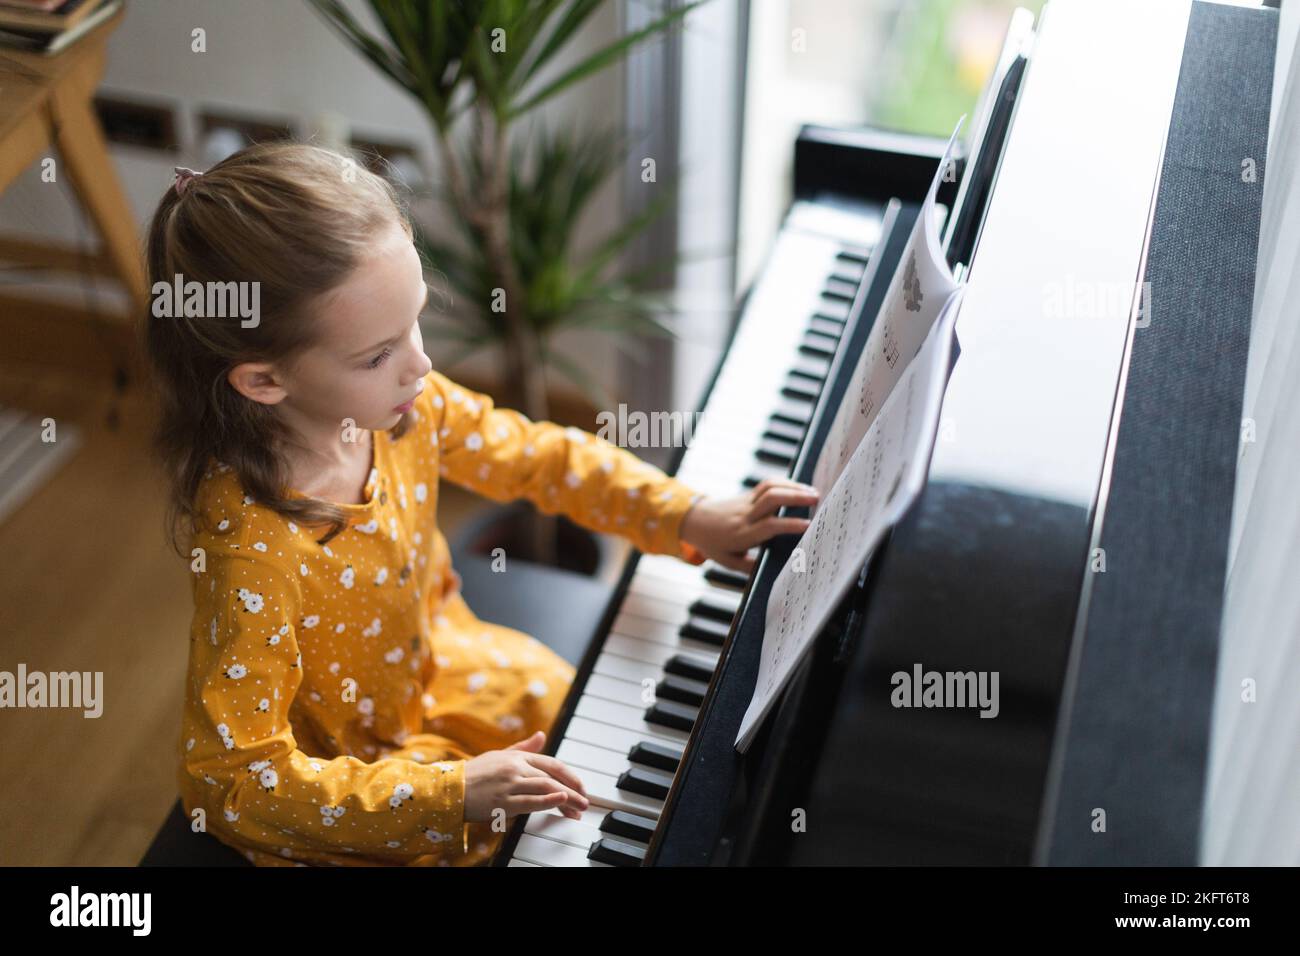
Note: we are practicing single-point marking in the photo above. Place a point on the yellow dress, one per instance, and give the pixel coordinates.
(334, 692)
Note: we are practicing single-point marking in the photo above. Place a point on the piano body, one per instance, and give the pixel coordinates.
(1072, 535)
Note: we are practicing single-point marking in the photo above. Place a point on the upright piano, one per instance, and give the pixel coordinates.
(1072, 533)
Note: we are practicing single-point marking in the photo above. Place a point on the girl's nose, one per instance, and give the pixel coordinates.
(420, 364)
(426, 366)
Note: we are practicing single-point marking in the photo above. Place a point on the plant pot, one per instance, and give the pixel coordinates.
(506, 527)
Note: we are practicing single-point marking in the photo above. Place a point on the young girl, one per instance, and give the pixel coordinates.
(343, 704)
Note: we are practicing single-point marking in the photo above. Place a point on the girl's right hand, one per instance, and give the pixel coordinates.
(521, 780)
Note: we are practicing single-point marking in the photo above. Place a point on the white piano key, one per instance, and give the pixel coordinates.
(653, 652)
(674, 601)
(663, 632)
(653, 582)
(733, 436)
(556, 826)
(655, 588)
(615, 739)
(625, 668)
(669, 568)
(715, 488)
(629, 718)
(603, 790)
(523, 863)
(619, 691)
(710, 464)
(712, 483)
(584, 757)
(677, 644)
(651, 610)
(544, 852)
(649, 652)
(658, 581)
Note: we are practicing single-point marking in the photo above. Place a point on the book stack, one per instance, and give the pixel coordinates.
(50, 26)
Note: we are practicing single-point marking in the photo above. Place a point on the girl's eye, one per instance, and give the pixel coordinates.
(378, 360)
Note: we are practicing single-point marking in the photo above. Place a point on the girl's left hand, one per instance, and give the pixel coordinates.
(724, 529)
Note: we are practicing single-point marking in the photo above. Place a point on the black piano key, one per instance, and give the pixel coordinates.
(702, 629)
(796, 413)
(840, 290)
(715, 607)
(726, 578)
(836, 306)
(616, 852)
(822, 346)
(656, 756)
(860, 255)
(690, 667)
(763, 470)
(849, 272)
(810, 367)
(647, 782)
(778, 428)
(835, 317)
(666, 713)
(823, 325)
(682, 689)
(630, 825)
(796, 387)
(777, 452)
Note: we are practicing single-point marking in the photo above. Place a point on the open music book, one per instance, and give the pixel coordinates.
(875, 458)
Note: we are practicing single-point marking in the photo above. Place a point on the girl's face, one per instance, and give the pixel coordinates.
(369, 356)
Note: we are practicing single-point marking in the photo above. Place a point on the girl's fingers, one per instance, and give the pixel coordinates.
(737, 561)
(530, 744)
(559, 770)
(530, 804)
(769, 527)
(542, 783)
(759, 533)
(769, 484)
(776, 498)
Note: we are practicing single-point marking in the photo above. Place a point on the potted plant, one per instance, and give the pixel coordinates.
(514, 211)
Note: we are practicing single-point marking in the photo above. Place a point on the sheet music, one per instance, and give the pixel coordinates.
(917, 294)
(881, 479)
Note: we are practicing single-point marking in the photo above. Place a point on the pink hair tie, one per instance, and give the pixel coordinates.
(183, 177)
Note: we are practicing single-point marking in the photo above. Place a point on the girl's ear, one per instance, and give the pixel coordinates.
(258, 382)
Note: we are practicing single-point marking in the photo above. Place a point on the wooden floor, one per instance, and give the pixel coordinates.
(89, 584)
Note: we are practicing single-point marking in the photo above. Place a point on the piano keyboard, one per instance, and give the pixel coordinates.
(635, 711)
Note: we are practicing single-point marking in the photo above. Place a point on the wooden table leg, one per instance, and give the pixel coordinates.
(81, 143)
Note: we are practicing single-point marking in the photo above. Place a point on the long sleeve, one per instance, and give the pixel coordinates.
(239, 748)
(502, 454)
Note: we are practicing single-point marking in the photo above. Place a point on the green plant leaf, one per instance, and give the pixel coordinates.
(574, 17)
(603, 58)
(345, 24)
